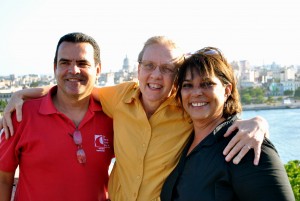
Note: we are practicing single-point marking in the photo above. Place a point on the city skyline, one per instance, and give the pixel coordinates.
(133, 66)
(261, 32)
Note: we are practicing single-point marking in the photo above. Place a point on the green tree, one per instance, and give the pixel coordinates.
(258, 92)
(288, 92)
(252, 95)
(270, 100)
(297, 93)
(34, 84)
(246, 98)
(2, 105)
(260, 99)
(293, 171)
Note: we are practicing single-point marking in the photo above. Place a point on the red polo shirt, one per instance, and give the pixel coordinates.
(46, 153)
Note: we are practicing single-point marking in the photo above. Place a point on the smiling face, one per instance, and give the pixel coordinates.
(155, 85)
(75, 70)
(203, 97)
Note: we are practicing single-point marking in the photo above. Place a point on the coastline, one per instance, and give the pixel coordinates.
(272, 106)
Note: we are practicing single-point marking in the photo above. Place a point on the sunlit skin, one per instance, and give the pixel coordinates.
(155, 86)
(203, 99)
(75, 70)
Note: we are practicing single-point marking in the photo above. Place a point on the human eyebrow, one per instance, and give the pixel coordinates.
(206, 79)
(83, 63)
(64, 60)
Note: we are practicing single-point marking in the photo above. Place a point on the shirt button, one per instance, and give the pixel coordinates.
(138, 177)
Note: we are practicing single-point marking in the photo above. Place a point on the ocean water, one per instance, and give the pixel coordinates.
(284, 130)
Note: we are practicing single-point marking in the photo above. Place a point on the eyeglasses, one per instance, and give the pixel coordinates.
(168, 69)
(204, 51)
(77, 137)
(209, 51)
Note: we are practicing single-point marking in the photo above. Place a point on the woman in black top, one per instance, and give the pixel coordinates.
(208, 92)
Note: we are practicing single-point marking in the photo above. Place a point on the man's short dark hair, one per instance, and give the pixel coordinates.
(78, 37)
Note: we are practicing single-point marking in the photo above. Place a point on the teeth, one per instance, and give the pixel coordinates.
(155, 86)
(198, 104)
(73, 80)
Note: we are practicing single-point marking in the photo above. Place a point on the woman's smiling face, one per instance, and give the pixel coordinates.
(156, 86)
(203, 97)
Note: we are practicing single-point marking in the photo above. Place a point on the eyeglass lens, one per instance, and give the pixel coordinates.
(77, 137)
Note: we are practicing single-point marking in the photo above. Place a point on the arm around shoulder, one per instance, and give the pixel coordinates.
(267, 181)
(31, 93)
(16, 103)
(264, 125)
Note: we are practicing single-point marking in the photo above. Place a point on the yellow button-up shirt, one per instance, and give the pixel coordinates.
(146, 150)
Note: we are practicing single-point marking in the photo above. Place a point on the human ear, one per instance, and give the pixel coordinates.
(228, 89)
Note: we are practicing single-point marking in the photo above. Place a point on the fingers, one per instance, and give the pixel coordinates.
(19, 111)
(238, 152)
(232, 128)
(241, 154)
(240, 145)
(244, 151)
(7, 125)
(1, 127)
(236, 148)
(257, 152)
(14, 104)
(1, 123)
(5, 128)
(231, 146)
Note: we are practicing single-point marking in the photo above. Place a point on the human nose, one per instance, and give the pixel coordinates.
(156, 71)
(197, 91)
(73, 68)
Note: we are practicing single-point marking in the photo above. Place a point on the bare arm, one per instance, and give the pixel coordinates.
(250, 135)
(16, 103)
(6, 185)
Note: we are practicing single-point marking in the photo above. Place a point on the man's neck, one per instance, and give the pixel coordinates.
(74, 109)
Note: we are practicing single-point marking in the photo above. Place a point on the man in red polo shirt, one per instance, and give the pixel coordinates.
(64, 144)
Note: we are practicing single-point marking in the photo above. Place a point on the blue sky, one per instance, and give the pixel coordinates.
(261, 31)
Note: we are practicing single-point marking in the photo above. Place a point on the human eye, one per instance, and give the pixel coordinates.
(167, 69)
(64, 63)
(207, 84)
(147, 65)
(187, 85)
(83, 64)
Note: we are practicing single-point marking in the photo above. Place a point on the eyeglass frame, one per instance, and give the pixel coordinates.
(80, 153)
(206, 51)
(163, 68)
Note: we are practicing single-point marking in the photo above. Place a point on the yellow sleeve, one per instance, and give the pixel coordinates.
(111, 96)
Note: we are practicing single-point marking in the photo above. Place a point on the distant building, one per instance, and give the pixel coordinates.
(288, 73)
(290, 85)
(5, 94)
(126, 65)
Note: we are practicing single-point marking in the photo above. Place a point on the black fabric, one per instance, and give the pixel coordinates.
(205, 175)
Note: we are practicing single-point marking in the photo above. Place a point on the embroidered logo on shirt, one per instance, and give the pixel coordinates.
(101, 143)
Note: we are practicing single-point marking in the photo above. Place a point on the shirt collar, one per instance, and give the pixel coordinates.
(216, 135)
(222, 128)
(47, 106)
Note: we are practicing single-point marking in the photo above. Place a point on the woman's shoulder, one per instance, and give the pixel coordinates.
(119, 88)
